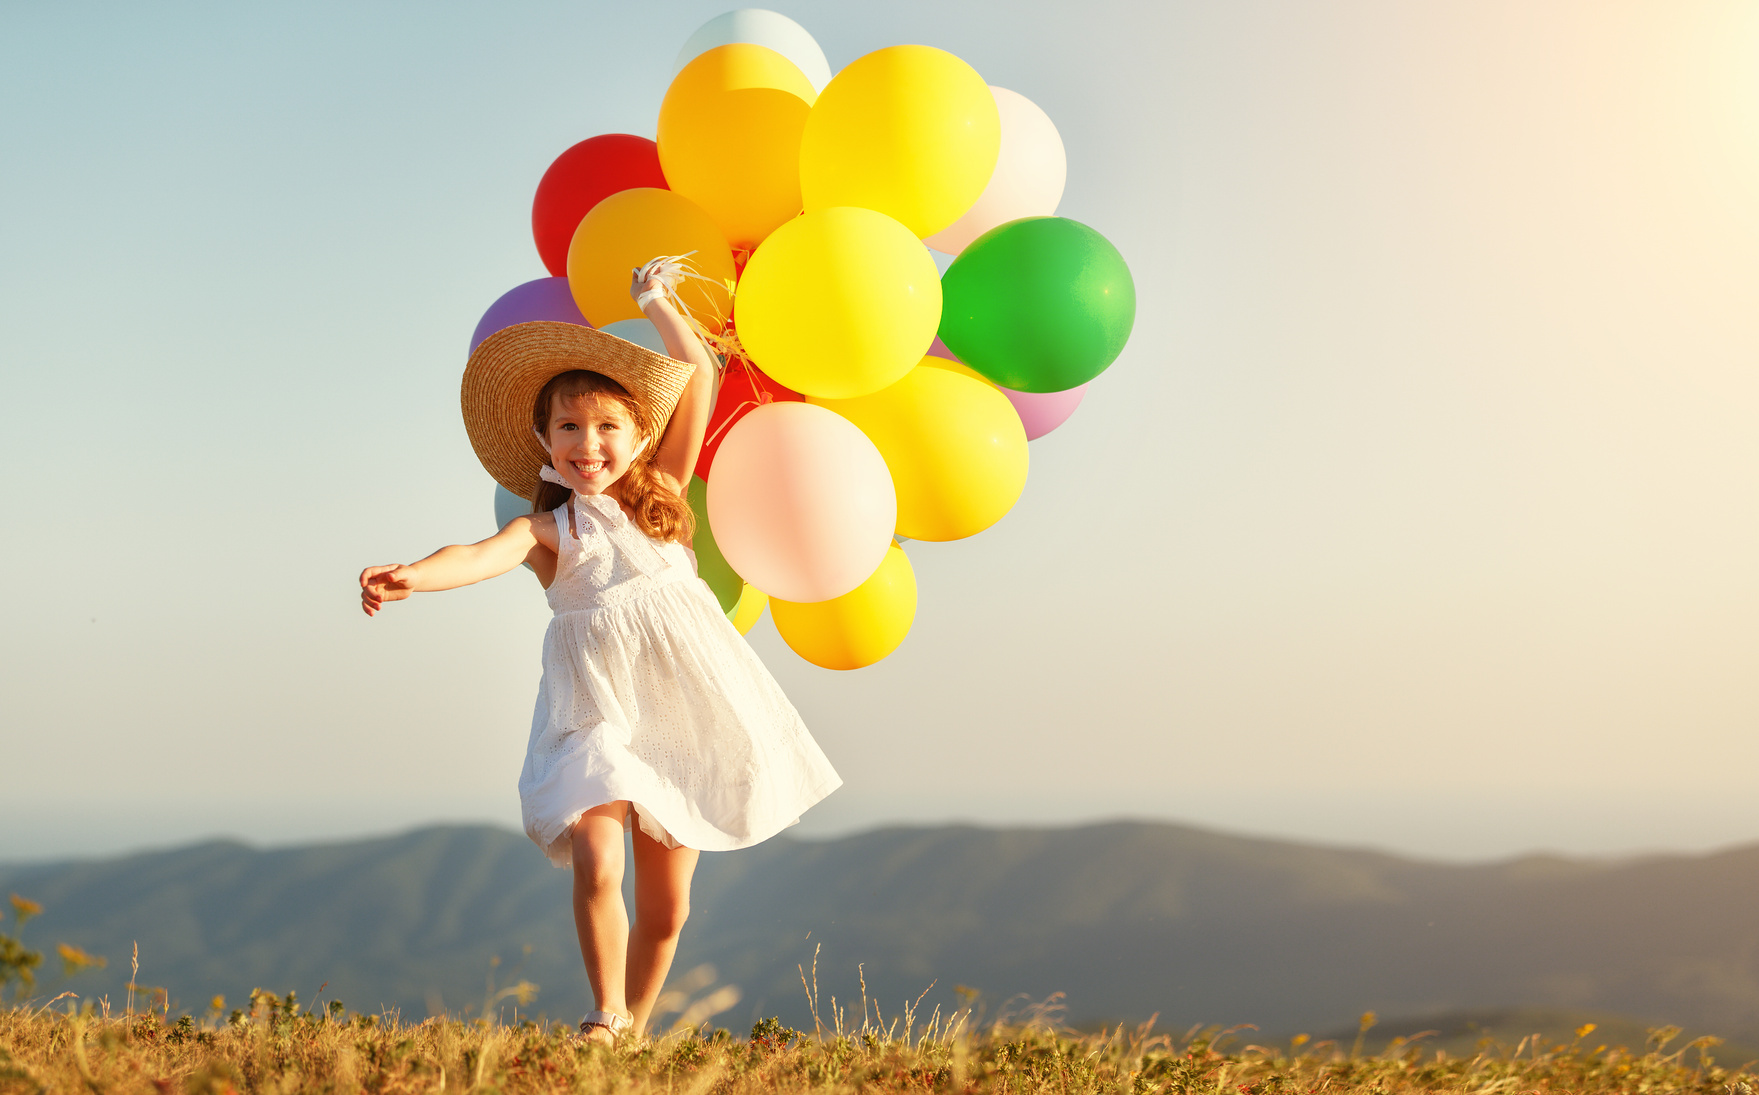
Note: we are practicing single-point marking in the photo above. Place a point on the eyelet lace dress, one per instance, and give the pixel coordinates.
(650, 695)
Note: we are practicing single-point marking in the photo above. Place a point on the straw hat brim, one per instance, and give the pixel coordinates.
(509, 368)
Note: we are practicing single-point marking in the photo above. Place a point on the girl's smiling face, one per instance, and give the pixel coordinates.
(592, 439)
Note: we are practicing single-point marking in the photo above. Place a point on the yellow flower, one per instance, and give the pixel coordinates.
(73, 959)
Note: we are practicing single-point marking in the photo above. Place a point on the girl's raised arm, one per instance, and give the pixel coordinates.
(683, 438)
(455, 565)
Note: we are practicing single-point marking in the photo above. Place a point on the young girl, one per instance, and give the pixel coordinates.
(653, 715)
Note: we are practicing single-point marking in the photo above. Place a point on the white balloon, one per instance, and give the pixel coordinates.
(638, 331)
(1031, 169)
(761, 28)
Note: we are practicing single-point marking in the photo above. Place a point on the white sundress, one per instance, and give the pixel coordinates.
(650, 695)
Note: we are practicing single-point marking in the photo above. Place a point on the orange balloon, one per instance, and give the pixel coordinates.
(729, 138)
(630, 227)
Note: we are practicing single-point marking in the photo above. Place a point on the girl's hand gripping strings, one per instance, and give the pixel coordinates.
(459, 564)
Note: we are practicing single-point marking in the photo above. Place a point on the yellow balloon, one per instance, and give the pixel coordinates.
(729, 138)
(839, 303)
(632, 226)
(858, 628)
(934, 362)
(748, 608)
(954, 445)
(911, 131)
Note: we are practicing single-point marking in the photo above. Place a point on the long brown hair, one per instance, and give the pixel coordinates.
(658, 502)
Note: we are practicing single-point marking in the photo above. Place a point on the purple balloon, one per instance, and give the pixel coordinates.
(1040, 412)
(545, 298)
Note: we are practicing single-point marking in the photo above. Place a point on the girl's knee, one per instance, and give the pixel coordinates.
(598, 854)
(597, 874)
(664, 918)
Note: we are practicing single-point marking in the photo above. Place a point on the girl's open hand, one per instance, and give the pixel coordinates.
(381, 584)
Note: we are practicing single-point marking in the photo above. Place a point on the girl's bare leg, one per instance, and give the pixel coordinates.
(600, 919)
(662, 902)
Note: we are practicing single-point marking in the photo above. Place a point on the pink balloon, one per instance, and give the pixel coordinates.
(801, 502)
(1040, 412)
(1031, 169)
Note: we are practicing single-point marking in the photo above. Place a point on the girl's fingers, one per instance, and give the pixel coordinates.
(381, 584)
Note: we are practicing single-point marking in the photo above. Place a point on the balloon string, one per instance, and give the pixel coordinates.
(728, 421)
(674, 269)
(759, 392)
(760, 396)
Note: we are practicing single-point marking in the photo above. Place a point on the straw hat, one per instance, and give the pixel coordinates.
(511, 366)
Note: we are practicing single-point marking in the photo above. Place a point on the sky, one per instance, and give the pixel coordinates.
(1420, 513)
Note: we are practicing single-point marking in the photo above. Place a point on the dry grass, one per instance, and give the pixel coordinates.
(276, 1049)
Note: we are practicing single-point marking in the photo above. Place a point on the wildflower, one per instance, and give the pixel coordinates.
(74, 959)
(25, 907)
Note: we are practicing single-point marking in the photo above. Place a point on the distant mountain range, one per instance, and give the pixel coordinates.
(1126, 919)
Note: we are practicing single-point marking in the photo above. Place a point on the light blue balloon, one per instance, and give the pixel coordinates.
(760, 28)
(508, 506)
(638, 331)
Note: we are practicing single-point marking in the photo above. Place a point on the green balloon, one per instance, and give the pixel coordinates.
(1040, 304)
(711, 565)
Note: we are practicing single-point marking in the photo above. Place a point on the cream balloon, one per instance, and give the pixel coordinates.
(760, 28)
(801, 502)
(1031, 169)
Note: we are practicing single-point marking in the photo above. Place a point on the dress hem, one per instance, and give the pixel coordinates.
(560, 853)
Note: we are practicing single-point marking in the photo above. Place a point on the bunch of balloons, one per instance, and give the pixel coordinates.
(865, 398)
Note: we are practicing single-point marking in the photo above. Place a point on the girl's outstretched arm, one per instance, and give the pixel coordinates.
(683, 438)
(455, 565)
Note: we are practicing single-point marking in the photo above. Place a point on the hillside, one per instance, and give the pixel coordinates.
(1127, 919)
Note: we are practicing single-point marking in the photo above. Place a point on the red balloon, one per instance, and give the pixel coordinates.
(582, 177)
(744, 388)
